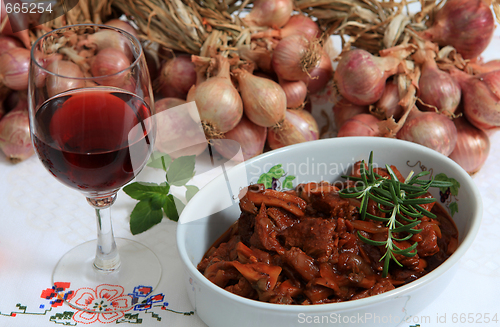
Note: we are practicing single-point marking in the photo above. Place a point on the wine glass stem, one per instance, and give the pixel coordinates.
(107, 258)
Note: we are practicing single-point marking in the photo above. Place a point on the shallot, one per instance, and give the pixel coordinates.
(295, 91)
(388, 104)
(247, 135)
(14, 68)
(15, 23)
(360, 77)
(264, 100)
(219, 103)
(481, 98)
(299, 126)
(65, 76)
(178, 133)
(111, 63)
(430, 129)
(320, 74)
(271, 13)
(344, 110)
(473, 146)
(295, 56)
(118, 23)
(297, 24)
(360, 125)
(15, 139)
(301, 24)
(467, 25)
(437, 88)
(9, 42)
(176, 77)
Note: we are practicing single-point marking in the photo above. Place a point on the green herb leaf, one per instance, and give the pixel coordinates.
(143, 190)
(181, 170)
(143, 217)
(173, 207)
(159, 160)
(191, 190)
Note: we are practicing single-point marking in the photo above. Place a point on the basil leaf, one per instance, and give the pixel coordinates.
(143, 217)
(191, 190)
(173, 207)
(181, 170)
(159, 160)
(143, 190)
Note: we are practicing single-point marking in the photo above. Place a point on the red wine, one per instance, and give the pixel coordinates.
(94, 139)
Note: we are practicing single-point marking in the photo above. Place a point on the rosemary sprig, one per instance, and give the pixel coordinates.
(395, 199)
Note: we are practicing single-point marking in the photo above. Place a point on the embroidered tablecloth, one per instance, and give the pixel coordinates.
(42, 219)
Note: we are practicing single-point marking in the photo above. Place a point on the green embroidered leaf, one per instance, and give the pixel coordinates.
(143, 190)
(453, 208)
(191, 190)
(266, 179)
(181, 170)
(159, 160)
(143, 217)
(288, 182)
(455, 184)
(276, 171)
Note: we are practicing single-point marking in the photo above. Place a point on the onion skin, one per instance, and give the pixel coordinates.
(360, 125)
(110, 62)
(343, 110)
(9, 42)
(250, 137)
(14, 68)
(438, 89)
(360, 77)
(177, 76)
(299, 126)
(178, 134)
(271, 13)
(388, 104)
(264, 100)
(118, 23)
(320, 75)
(473, 146)
(20, 20)
(15, 138)
(219, 103)
(287, 57)
(58, 84)
(467, 25)
(301, 24)
(430, 129)
(481, 98)
(295, 91)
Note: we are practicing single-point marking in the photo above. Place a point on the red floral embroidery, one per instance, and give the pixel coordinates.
(99, 304)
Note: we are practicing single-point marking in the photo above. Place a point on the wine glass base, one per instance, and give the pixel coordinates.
(97, 291)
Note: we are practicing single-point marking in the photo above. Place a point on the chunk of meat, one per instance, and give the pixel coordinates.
(427, 239)
(333, 205)
(314, 235)
(264, 236)
(272, 198)
(281, 218)
(302, 263)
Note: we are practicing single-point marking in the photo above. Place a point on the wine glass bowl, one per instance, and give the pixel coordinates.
(91, 120)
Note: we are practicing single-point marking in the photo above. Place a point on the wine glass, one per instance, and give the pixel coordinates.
(91, 117)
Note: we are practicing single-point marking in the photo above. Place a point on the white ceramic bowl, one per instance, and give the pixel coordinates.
(215, 208)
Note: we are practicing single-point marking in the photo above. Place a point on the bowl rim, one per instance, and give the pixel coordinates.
(345, 305)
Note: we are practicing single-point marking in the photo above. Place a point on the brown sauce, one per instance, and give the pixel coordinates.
(302, 247)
